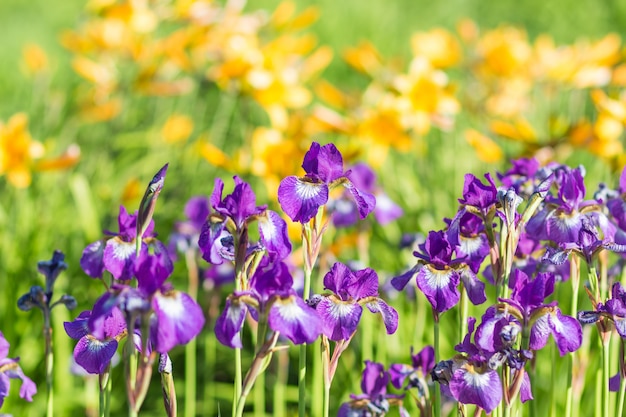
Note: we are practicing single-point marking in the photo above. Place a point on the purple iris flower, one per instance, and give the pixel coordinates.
(538, 319)
(614, 309)
(345, 211)
(467, 233)
(375, 401)
(482, 197)
(271, 297)
(468, 377)
(92, 353)
(301, 197)
(422, 363)
(117, 254)
(416, 376)
(341, 309)
(186, 233)
(174, 317)
(561, 218)
(617, 203)
(524, 175)
(10, 369)
(230, 218)
(438, 275)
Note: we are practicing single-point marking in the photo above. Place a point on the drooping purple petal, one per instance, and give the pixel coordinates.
(5, 385)
(94, 355)
(91, 261)
(389, 314)
(475, 288)
(209, 242)
(153, 269)
(340, 319)
(386, 209)
(295, 320)
(365, 201)
(470, 385)
(301, 198)
(119, 257)
(566, 331)
(273, 231)
(229, 323)
(400, 281)
(439, 287)
(179, 319)
(525, 392)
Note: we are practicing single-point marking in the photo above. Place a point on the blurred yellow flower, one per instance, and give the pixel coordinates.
(438, 46)
(35, 59)
(18, 151)
(364, 58)
(486, 149)
(504, 52)
(177, 128)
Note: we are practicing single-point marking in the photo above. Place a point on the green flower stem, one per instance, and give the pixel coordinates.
(606, 374)
(49, 359)
(105, 392)
(575, 280)
(437, 396)
(309, 245)
(238, 381)
(282, 375)
(622, 380)
(191, 347)
(210, 356)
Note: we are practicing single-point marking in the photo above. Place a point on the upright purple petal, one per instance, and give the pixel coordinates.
(301, 198)
(375, 379)
(325, 162)
(365, 284)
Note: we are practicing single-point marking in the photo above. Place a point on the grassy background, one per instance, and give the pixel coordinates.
(68, 210)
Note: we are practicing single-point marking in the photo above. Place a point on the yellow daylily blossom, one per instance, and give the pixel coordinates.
(177, 128)
(438, 46)
(486, 149)
(18, 151)
(35, 59)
